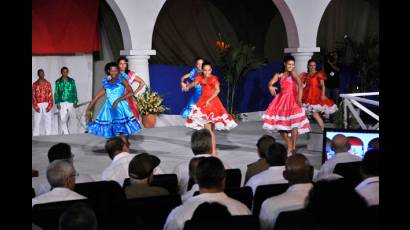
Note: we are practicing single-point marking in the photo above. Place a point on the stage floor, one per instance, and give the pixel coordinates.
(172, 145)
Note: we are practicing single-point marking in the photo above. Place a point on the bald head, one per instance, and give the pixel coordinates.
(340, 143)
(298, 169)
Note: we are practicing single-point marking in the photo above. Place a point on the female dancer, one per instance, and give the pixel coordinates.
(198, 90)
(314, 100)
(132, 77)
(285, 112)
(115, 117)
(208, 110)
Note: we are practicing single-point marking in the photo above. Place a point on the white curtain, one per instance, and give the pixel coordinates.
(81, 70)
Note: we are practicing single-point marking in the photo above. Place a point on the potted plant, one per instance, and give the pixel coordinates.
(150, 105)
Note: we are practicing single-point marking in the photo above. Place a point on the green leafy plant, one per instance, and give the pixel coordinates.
(150, 102)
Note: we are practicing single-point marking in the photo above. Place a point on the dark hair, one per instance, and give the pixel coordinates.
(206, 63)
(211, 211)
(123, 58)
(210, 173)
(63, 68)
(373, 143)
(201, 142)
(328, 200)
(264, 143)
(78, 217)
(370, 162)
(113, 146)
(193, 164)
(109, 65)
(312, 60)
(38, 71)
(285, 60)
(60, 151)
(276, 155)
(198, 58)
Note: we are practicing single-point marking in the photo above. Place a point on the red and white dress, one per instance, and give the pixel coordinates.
(312, 103)
(131, 101)
(214, 112)
(284, 113)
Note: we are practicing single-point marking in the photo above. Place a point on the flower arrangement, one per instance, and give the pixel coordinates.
(150, 103)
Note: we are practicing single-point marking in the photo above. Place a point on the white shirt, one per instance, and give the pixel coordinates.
(182, 172)
(44, 186)
(293, 199)
(118, 169)
(176, 219)
(272, 175)
(55, 195)
(190, 193)
(329, 165)
(369, 189)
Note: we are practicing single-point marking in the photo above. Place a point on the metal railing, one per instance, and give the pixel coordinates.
(354, 99)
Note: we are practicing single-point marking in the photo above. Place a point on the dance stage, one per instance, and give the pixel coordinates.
(172, 145)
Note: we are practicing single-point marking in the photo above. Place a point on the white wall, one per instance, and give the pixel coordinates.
(80, 69)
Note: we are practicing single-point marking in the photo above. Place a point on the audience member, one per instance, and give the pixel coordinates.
(276, 158)
(78, 217)
(299, 174)
(193, 164)
(369, 187)
(210, 175)
(260, 165)
(61, 176)
(141, 176)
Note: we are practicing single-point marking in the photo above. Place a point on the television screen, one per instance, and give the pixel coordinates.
(358, 139)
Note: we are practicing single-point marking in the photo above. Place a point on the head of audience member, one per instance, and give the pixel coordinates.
(116, 145)
(141, 168)
(211, 211)
(210, 175)
(193, 164)
(61, 174)
(369, 166)
(263, 145)
(340, 144)
(373, 144)
(78, 217)
(276, 155)
(60, 151)
(64, 71)
(40, 73)
(335, 205)
(298, 170)
(201, 142)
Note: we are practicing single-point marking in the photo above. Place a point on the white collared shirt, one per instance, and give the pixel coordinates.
(55, 195)
(369, 190)
(329, 165)
(272, 175)
(293, 199)
(176, 219)
(118, 169)
(182, 172)
(44, 186)
(190, 193)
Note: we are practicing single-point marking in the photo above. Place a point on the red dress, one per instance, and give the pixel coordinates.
(213, 113)
(311, 95)
(131, 101)
(284, 113)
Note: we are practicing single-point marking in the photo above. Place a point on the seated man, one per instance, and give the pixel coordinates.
(260, 165)
(299, 173)
(369, 187)
(210, 175)
(78, 217)
(141, 175)
(61, 151)
(276, 157)
(118, 150)
(61, 176)
(201, 145)
(193, 164)
(340, 145)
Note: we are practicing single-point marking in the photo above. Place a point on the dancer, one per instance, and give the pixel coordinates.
(314, 100)
(132, 77)
(197, 70)
(285, 112)
(208, 112)
(115, 117)
(42, 102)
(65, 96)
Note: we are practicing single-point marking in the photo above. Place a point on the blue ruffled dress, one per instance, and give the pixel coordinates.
(114, 122)
(195, 97)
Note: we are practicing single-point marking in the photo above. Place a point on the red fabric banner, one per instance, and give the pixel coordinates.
(65, 26)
